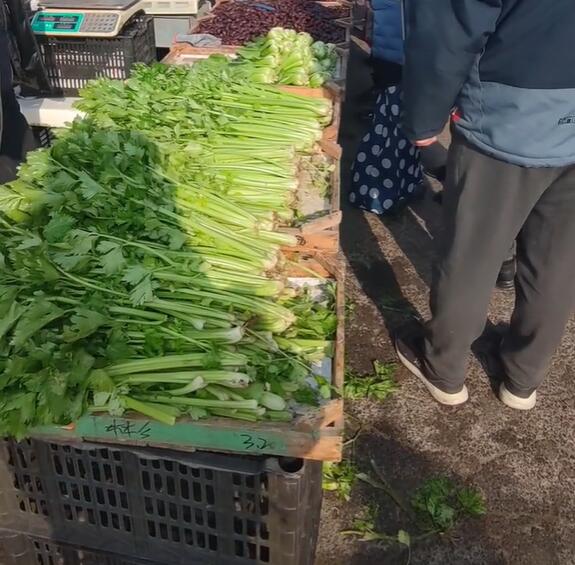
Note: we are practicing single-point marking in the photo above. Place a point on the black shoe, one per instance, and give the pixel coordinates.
(506, 278)
(410, 354)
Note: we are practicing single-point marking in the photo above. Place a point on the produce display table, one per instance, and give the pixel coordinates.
(131, 490)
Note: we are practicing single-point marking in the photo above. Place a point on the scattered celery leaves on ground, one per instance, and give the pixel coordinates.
(377, 386)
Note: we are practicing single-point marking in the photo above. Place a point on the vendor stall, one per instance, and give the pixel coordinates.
(173, 308)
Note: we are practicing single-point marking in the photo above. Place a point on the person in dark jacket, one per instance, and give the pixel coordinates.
(505, 69)
(387, 37)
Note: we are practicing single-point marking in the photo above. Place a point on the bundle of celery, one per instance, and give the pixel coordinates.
(286, 57)
(213, 100)
(240, 140)
(139, 273)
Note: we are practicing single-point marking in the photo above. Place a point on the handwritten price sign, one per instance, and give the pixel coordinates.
(129, 429)
(200, 435)
(256, 443)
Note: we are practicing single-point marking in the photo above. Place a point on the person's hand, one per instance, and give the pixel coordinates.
(425, 142)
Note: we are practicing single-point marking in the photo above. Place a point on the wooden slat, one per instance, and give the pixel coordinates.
(339, 357)
(327, 240)
(329, 222)
(331, 149)
(336, 187)
(320, 441)
(303, 265)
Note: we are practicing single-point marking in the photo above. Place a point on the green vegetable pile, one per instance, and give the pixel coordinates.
(284, 56)
(140, 261)
(243, 141)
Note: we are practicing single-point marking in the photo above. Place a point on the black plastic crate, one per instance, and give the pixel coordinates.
(169, 507)
(21, 549)
(72, 62)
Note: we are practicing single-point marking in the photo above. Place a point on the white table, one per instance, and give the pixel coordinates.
(49, 112)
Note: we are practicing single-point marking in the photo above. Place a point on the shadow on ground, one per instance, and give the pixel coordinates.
(523, 463)
(403, 469)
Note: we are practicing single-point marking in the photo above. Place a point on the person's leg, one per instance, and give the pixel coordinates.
(545, 287)
(486, 203)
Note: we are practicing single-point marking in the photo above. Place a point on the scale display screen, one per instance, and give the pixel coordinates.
(59, 23)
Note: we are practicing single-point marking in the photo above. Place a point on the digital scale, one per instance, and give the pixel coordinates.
(84, 18)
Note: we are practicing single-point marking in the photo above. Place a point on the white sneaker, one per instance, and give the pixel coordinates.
(410, 358)
(516, 402)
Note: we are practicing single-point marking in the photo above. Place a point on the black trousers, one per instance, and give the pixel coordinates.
(489, 204)
(17, 138)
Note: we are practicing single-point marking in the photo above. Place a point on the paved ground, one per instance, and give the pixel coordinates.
(523, 463)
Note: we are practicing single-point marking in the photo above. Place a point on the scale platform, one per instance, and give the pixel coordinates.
(84, 18)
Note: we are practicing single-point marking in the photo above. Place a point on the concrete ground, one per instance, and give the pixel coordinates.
(524, 463)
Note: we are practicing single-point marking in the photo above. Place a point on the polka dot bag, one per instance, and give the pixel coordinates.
(386, 173)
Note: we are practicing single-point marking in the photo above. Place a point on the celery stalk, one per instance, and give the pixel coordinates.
(147, 409)
(204, 403)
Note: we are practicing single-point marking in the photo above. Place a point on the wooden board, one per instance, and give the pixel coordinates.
(318, 438)
(336, 5)
(315, 433)
(326, 240)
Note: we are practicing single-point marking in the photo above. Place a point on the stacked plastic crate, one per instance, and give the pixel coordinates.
(108, 505)
(72, 62)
